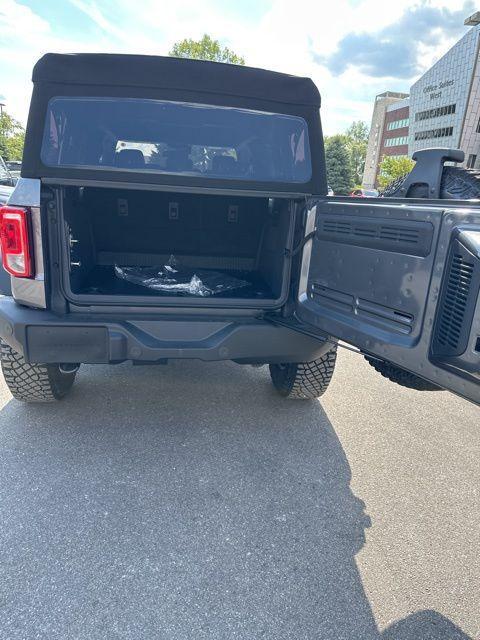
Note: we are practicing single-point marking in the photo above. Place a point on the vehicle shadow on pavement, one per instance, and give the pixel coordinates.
(186, 501)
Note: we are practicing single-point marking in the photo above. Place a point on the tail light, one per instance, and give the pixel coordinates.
(15, 242)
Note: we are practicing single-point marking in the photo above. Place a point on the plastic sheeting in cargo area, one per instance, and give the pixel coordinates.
(176, 279)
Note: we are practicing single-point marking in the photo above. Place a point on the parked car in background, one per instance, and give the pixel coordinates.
(6, 179)
(14, 167)
(364, 193)
(5, 193)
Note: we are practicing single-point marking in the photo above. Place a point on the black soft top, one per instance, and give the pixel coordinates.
(118, 70)
(91, 75)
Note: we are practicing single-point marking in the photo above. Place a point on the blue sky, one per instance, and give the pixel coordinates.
(353, 49)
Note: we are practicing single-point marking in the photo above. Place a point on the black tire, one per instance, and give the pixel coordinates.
(304, 380)
(34, 382)
(400, 376)
(457, 184)
(392, 189)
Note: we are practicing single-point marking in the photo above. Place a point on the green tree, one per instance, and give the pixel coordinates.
(339, 167)
(12, 137)
(205, 49)
(393, 168)
(356, 137)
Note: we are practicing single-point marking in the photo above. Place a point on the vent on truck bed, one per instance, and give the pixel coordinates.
(402, 236)
(457, 302)
(365, 310)
(454, 303)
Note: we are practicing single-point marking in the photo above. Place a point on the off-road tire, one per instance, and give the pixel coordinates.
(34, 382)
(304, 380)
(456, 184)
(400, 376)
(392, 190)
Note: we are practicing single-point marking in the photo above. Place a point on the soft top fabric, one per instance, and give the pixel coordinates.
(175, 73)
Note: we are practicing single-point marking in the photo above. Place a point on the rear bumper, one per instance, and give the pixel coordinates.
(43, 337)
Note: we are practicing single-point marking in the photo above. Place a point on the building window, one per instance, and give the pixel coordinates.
(396, 142)
(435, 113)
(472, 158)
(442, 132)
(478, 126)
(397, 124)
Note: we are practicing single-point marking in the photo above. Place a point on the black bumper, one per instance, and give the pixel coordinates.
(43, 337)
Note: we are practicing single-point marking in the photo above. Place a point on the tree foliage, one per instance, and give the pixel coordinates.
(393, 168)
(205, 49)
(339, 167)
(12, 138)
(356, 138)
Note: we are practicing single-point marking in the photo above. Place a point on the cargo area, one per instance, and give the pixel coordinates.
(155, 247)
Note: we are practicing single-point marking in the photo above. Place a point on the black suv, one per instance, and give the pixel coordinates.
(177, 209)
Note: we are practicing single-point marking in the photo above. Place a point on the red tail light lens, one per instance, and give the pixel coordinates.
(14, 239)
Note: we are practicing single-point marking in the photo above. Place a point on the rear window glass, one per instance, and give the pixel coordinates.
(176, 138)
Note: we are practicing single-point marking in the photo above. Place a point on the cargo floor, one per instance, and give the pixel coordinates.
(103, 280)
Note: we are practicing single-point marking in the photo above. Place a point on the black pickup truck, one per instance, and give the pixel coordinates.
(175, 208)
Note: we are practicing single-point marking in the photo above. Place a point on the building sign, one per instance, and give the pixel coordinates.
(435, 90)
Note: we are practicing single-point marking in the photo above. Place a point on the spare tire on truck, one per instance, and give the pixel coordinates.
(456, 184)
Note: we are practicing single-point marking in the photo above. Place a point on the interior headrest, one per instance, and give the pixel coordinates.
(129, 158)
(224, 165)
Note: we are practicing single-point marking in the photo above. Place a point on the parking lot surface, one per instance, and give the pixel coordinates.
(189, 501)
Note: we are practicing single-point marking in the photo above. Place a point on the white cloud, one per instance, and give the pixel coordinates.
(24, 38)
(284, 38)
(94, 12)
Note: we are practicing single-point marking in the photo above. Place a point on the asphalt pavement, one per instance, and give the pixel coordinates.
(189, 501)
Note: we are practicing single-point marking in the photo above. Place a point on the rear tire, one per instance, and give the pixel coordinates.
(400, 376)
(34, 382)
(304, 380)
